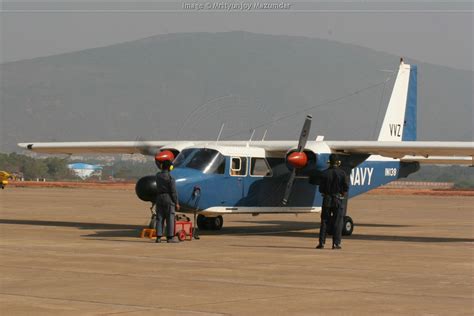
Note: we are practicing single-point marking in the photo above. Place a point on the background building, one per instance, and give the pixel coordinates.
(84, 170)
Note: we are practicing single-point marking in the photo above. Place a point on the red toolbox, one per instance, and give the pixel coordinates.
(183, 230)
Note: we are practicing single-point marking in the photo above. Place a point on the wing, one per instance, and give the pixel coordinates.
(126, 147)
(422, 151)
(144, 147)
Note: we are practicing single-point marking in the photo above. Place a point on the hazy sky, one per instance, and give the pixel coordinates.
(439, 32)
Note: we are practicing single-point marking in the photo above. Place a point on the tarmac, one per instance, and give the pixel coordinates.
(77, 252)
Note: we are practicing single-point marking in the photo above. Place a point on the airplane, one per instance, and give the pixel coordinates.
(217, 178)
(4, 176)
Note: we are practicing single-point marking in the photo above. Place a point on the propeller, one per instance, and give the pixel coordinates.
(146, 148)
(297, 159)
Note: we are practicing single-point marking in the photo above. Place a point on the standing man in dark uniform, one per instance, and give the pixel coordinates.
(333, 186)
(167, 198)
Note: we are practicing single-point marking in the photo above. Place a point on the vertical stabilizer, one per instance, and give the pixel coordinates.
(400, 119)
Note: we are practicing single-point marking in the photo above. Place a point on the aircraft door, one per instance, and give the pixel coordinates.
(238, 172)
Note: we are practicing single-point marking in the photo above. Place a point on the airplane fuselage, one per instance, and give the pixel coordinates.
(226, 192)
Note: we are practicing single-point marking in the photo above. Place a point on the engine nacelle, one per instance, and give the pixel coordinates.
(146, 189)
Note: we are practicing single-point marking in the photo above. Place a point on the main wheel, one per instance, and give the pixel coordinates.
(348, 226)
(202, 222)
(216, 222)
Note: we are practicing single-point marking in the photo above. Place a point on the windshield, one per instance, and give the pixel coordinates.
(182, 157)
(203, 159)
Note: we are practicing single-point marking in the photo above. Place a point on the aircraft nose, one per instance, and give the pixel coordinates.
(186, 181)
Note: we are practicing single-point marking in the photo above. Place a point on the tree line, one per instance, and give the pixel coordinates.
(55, 169)
(29, 168)
(461, 176)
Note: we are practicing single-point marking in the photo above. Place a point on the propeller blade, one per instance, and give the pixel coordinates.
(289, 187)
(301, 144)
(145, 148)
(304, 133)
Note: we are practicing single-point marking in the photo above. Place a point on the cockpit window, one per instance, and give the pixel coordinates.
(183, 157)
(203, 159)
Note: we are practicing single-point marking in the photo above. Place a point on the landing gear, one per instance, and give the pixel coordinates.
(202, 222)
(347, 226)
(210, 223)
(216, 222)
(152, 224)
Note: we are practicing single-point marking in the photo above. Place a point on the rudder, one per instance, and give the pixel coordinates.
(399, 123)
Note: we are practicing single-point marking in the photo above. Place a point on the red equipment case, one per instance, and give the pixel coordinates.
(183, 230)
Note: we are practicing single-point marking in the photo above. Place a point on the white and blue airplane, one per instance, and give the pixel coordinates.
(216, 178)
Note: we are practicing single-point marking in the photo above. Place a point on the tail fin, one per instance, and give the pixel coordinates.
(399, 123)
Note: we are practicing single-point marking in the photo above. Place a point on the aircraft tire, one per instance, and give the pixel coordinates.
(202, 222)
(348, 226)
(216, 222)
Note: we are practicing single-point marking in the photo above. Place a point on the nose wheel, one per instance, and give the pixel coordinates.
(210, 223)
(152, 223)
(347, 226)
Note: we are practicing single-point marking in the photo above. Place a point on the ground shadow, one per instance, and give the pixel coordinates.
(102, 229)
(417, 239)
(81, 225)
(281, 228)
(267, 228)
(316, 224)
(369, 237)
(310, 230)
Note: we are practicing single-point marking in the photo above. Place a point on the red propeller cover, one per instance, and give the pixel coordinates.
(164, 155)
(297, 160)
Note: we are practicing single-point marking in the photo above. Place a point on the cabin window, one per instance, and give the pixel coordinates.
(238, 166)
(259, 168)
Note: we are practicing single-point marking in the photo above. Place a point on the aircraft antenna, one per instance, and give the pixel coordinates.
(251, 136)
(264, 134)
(220, 132)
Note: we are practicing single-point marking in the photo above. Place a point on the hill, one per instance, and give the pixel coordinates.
(186, 85)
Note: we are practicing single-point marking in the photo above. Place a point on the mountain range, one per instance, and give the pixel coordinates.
(187, 85)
